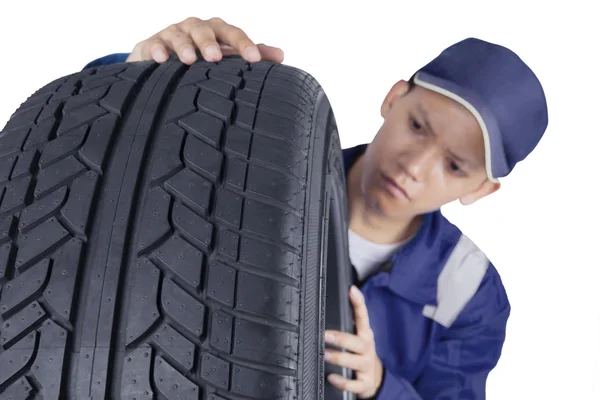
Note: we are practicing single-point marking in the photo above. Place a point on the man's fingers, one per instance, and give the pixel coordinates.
(154, 49)
(204, 38)
(180, 42)
(361, 315)
(214, 38)
(237, 38)
(345, 359)
(354, 386)
(270, 53)
(348, 341)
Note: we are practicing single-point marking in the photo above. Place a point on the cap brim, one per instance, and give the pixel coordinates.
(495, 160)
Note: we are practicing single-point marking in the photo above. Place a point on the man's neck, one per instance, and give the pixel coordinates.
(367, 222)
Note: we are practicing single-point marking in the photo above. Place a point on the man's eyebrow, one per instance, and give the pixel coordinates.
(468, 163)
(425, 118)
(465, 161)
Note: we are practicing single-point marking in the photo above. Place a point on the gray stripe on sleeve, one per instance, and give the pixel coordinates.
(458, 282)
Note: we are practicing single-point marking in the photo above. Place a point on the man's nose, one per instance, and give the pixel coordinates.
(419, 163)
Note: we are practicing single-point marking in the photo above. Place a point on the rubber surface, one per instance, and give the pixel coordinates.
(161, 234)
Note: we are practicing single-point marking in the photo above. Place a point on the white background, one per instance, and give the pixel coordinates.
(540, 229)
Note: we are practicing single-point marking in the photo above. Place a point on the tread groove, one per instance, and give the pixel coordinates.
(120, 292)
(140, 73)
(7, 312)
(33, 345)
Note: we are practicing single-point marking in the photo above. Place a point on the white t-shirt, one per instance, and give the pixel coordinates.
(367, 256)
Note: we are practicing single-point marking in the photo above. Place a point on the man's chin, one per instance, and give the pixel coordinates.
(380, 205)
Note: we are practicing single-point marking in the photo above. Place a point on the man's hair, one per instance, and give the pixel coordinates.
(411, 84)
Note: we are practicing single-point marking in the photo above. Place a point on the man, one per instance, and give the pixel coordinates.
(432, 311)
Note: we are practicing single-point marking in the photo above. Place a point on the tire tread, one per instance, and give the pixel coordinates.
(198, 211)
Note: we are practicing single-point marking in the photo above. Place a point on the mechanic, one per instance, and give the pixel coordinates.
(437, 308)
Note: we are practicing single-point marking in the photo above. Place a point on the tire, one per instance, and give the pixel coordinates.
(166, 232)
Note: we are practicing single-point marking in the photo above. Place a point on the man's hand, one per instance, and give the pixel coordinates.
(214, 38)
(363, 359)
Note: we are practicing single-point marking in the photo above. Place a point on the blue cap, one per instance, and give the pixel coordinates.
(500, 90)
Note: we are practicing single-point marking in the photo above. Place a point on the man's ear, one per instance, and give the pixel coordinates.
(399, 89)
(485, 189)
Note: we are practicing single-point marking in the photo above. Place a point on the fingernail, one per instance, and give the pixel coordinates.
(354, 291)
(329, 337)
(334, 379)
(327, 356)
(212, 52)
(189, 53)
(252, 53)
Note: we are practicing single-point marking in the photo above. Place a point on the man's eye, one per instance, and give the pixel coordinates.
(455, 168)
(415, 125)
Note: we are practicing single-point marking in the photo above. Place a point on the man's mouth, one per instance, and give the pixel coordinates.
(395, 190)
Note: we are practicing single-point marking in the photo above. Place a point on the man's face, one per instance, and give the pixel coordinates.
(428, 152)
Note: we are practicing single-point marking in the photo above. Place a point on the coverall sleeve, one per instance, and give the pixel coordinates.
(460, 362)
(107, 60)
(395, 387)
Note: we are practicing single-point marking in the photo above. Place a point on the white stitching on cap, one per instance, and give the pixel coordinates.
(478, 117)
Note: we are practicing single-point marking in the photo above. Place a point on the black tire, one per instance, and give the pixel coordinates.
(164, 232)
